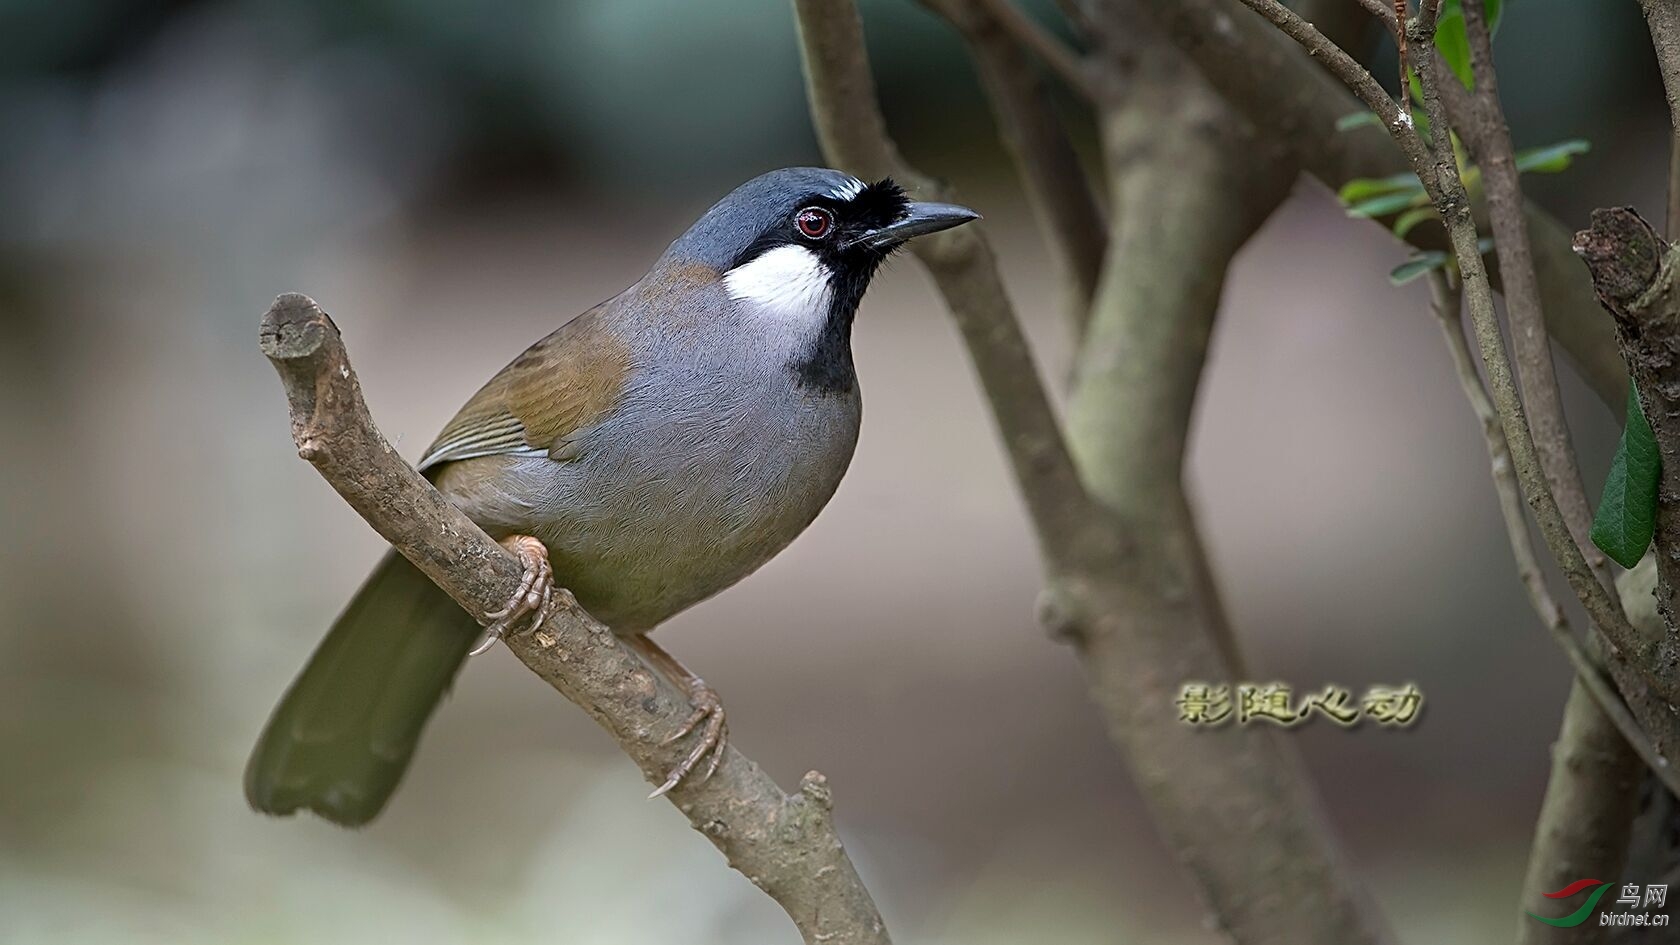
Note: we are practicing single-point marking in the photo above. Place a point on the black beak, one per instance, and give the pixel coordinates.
(922, 219)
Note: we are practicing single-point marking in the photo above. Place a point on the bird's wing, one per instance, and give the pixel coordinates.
(561, 385)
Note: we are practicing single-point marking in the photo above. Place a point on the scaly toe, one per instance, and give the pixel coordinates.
(714, 738)
(533, 597)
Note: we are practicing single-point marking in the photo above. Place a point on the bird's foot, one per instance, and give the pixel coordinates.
(708, 719)
(536, 591)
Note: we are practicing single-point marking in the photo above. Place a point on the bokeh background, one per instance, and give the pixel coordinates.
(452, 181)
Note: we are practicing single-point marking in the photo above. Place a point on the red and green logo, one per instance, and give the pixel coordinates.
(1579, 915)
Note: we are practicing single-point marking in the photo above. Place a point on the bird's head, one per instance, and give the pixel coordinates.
(797, 247)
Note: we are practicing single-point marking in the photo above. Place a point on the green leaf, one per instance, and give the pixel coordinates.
(1364, 188)
(1453, 41)
(1386, 204)
(1358, 120)
(1627, 511)
(1411, 218)
(1454, 44)
(1552, 158)
(1419, 265)
(1420, 121)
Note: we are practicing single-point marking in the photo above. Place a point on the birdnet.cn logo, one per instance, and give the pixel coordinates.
(1636, 904)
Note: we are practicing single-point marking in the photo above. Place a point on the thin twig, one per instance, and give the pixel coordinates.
(1488, 137)
(1445, 303)
(786, 844)
(1663, 19)
(1394, 117)
(1033, 133)
(1393, 16)
(1067, 64)
(1381, 9)
(853, 135)
(1400, 46)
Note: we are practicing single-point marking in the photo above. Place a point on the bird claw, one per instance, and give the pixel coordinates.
(534, 596)
(714, 737)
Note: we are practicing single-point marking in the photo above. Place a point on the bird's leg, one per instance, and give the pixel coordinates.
(536, 590)
(714, 735)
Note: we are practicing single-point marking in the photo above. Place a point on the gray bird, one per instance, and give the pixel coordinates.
(650, 453)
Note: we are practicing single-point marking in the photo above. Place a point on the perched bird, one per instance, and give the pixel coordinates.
(648, 454)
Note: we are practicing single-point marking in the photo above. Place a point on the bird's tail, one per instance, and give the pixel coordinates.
(342, 735)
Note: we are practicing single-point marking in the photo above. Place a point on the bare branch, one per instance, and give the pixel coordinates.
(1068, 65)
(1488, 137)
(785, 844)
(853, 135)
(1445, 303)
(1124, 607)
(1050, 172)
(1586, 816)
(1191, 181)
(1663, 18)
(1350, 72)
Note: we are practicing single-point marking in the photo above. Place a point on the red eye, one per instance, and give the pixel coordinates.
(813, 222)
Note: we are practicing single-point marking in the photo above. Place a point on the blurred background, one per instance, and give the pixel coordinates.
(452, 181)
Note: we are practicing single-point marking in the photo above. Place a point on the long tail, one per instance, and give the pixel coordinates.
(342, 735)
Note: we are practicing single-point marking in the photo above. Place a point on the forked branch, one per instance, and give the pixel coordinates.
(1123, 588)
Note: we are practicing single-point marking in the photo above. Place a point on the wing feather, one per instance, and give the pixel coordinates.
(561, 385)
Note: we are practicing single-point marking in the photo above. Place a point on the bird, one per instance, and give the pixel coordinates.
(646, 455)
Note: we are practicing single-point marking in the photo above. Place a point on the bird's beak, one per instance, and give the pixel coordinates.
(922, 219)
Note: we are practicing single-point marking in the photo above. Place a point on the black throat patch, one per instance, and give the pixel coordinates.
(827, 367)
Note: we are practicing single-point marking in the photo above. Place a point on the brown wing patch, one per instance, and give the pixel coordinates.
(563, 383)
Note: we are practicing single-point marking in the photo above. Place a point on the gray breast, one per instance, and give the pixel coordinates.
(710, 466)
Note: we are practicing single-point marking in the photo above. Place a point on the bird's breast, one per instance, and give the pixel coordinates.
(699, 477)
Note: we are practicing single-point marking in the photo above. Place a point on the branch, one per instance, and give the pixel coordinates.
(1488, 137)
(1634, 270)
(1062, 60)
(1663, 19)
(1139, 632)
(1050, 172)
(1280, 89)
(1586, 816)
(1444, 302)
(1584, 821)
(854, 136)
(1353, 75)
(1191, 182)
(785, 844)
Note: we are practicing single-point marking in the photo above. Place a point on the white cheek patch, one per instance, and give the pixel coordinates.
(788, 284)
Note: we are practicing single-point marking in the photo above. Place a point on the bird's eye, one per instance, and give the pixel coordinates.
(813, 222)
